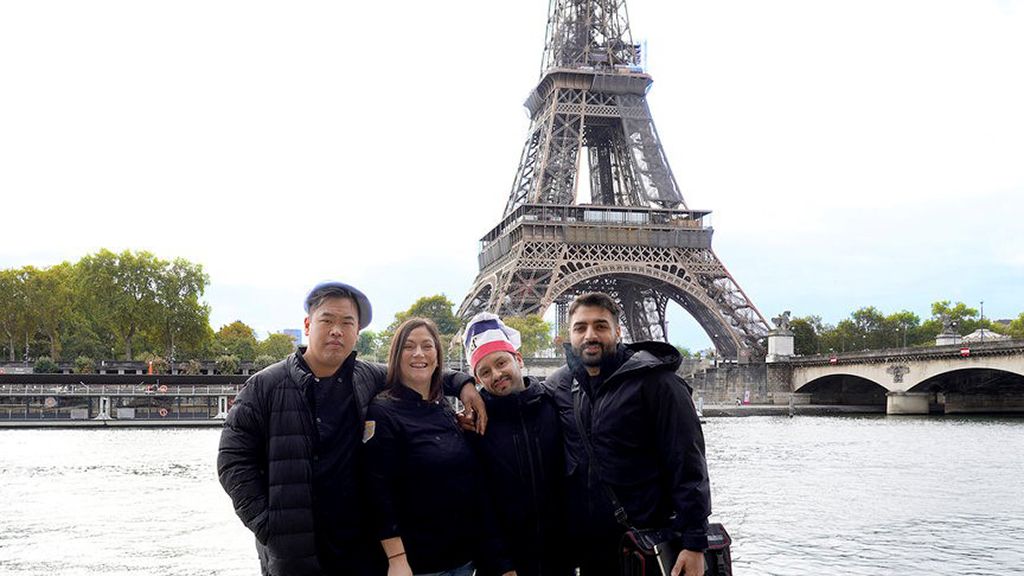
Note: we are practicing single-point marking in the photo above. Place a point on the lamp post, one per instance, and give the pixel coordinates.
(983, 321)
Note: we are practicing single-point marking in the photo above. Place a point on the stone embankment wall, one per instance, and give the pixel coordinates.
(725, 383)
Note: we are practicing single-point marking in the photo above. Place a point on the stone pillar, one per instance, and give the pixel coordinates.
(780, 345)
(947, 338)
(900, 403)
(104, 411)
(222, 408)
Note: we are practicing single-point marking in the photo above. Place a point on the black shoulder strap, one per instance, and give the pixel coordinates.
(577, 400)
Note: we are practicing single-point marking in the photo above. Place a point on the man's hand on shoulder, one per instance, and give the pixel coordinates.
(474, 417)
(689, 563)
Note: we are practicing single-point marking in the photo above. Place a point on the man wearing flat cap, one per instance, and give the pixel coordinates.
(288, 454)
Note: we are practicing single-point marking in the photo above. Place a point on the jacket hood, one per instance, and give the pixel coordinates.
(631, 358)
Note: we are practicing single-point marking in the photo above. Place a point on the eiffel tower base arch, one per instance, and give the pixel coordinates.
(642, 279)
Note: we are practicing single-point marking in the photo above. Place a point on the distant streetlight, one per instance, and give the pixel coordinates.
(982, 321)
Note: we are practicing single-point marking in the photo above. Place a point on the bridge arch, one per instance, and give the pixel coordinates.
(844, 388)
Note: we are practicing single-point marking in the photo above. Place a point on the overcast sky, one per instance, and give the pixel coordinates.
(853, 152)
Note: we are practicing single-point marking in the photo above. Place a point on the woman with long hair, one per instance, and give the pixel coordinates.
(432, 517)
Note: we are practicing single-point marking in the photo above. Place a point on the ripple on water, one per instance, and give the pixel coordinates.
(807, 496)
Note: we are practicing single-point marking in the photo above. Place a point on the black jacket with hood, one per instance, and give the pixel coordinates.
(523, 464)
(647, 439)
(266, 452)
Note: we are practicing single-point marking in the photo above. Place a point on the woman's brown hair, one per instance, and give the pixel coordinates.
(394, 377)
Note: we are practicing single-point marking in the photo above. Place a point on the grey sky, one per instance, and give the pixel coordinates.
(854, 152)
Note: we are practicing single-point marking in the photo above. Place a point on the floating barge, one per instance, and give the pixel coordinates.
(82, 400)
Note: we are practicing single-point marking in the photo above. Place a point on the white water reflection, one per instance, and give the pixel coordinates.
(803, 496)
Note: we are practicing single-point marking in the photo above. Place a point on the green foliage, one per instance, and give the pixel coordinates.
(227, 364)
(85, 365)
(684, 351)
(806, 335)
(437, 308)
(193, 367)
(236, 339)
(534, 331)
(45, 365)
(1016, 328)
(277, 346)
(367, 344)
(263, 360)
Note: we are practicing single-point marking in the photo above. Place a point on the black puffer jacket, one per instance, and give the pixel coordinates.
(647, 440)
(265, 458)
(523, 462)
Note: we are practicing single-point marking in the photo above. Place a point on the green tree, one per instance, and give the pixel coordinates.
(45, 365)
(366, 346)
(181, 319)
(12, 306)
(964, 318)
(227, 364)
(534, 331)
(1016, 329)
(277, 346)
(85, 365)
(51, 295)
(237, 339)
(262, 361)
(437, 308)
(902, 329)
(122, 291)
(807, 335)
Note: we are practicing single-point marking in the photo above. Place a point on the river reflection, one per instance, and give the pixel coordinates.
(803, 496)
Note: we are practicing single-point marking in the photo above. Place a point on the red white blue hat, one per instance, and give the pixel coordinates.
(486, 333)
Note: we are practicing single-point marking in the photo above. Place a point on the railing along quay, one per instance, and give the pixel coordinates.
(119, 389)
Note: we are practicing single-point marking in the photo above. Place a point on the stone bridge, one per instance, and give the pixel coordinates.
(976, 377)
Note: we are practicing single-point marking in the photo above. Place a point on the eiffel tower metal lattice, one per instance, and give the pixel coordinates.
(635, 238)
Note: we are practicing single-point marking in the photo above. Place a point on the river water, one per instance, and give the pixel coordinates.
(802, 496)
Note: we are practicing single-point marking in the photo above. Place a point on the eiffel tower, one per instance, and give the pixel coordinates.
(634, 238)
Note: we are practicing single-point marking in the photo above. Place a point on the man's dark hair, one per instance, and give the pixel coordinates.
(317, 297)
(599, 300)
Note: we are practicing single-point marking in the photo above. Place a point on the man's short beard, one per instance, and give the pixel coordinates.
(593, 361)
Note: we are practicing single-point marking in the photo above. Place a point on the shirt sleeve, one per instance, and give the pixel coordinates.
(383, 446)
(681, 449)
(242, 461)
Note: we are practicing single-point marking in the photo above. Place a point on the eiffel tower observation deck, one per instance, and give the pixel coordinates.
(594, 205)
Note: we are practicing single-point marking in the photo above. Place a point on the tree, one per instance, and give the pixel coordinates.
(12, 304)
(51, 294)
(180, 317)
(277, 346)
(534, 331)
(807, 335)
(902, 329)
(237, 339)
(1016, 329)
(227, 364)
(85, 365)
(262, 361)
(963, 317)
(367, 344)
(122, 291)
(45, 365)
(437, 308)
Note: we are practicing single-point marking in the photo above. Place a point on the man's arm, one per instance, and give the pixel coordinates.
(681, 448)
(242, 461)
(463, 387)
